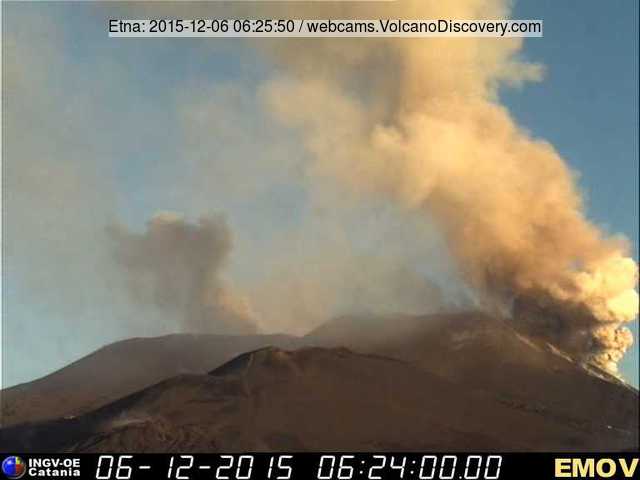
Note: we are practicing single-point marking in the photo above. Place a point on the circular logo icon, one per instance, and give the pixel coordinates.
(14, 467)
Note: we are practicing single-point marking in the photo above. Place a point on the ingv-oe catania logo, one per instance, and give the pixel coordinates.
(14, 467)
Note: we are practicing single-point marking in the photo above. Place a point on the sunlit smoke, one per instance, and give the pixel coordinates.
(420, 121)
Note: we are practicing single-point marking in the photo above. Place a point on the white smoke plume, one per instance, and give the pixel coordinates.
(176, 265)
(420, 121)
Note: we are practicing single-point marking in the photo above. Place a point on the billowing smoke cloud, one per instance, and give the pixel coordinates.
(306, 252)
(420, 121)
(175, 265)
(417, 121)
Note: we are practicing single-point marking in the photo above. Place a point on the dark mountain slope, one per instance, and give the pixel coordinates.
(123, 368)
(490, 355)
(485, 365)
(311, 399)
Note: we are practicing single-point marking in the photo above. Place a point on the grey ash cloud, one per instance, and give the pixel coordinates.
(176, 265)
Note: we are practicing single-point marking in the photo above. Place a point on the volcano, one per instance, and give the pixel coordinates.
(406, 383)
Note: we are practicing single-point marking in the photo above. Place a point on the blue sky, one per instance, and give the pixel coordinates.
(125, 100)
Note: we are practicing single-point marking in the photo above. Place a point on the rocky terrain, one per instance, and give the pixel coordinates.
(447, 382)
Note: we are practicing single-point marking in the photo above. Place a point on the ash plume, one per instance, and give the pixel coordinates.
(176, 266)
(420, 121)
